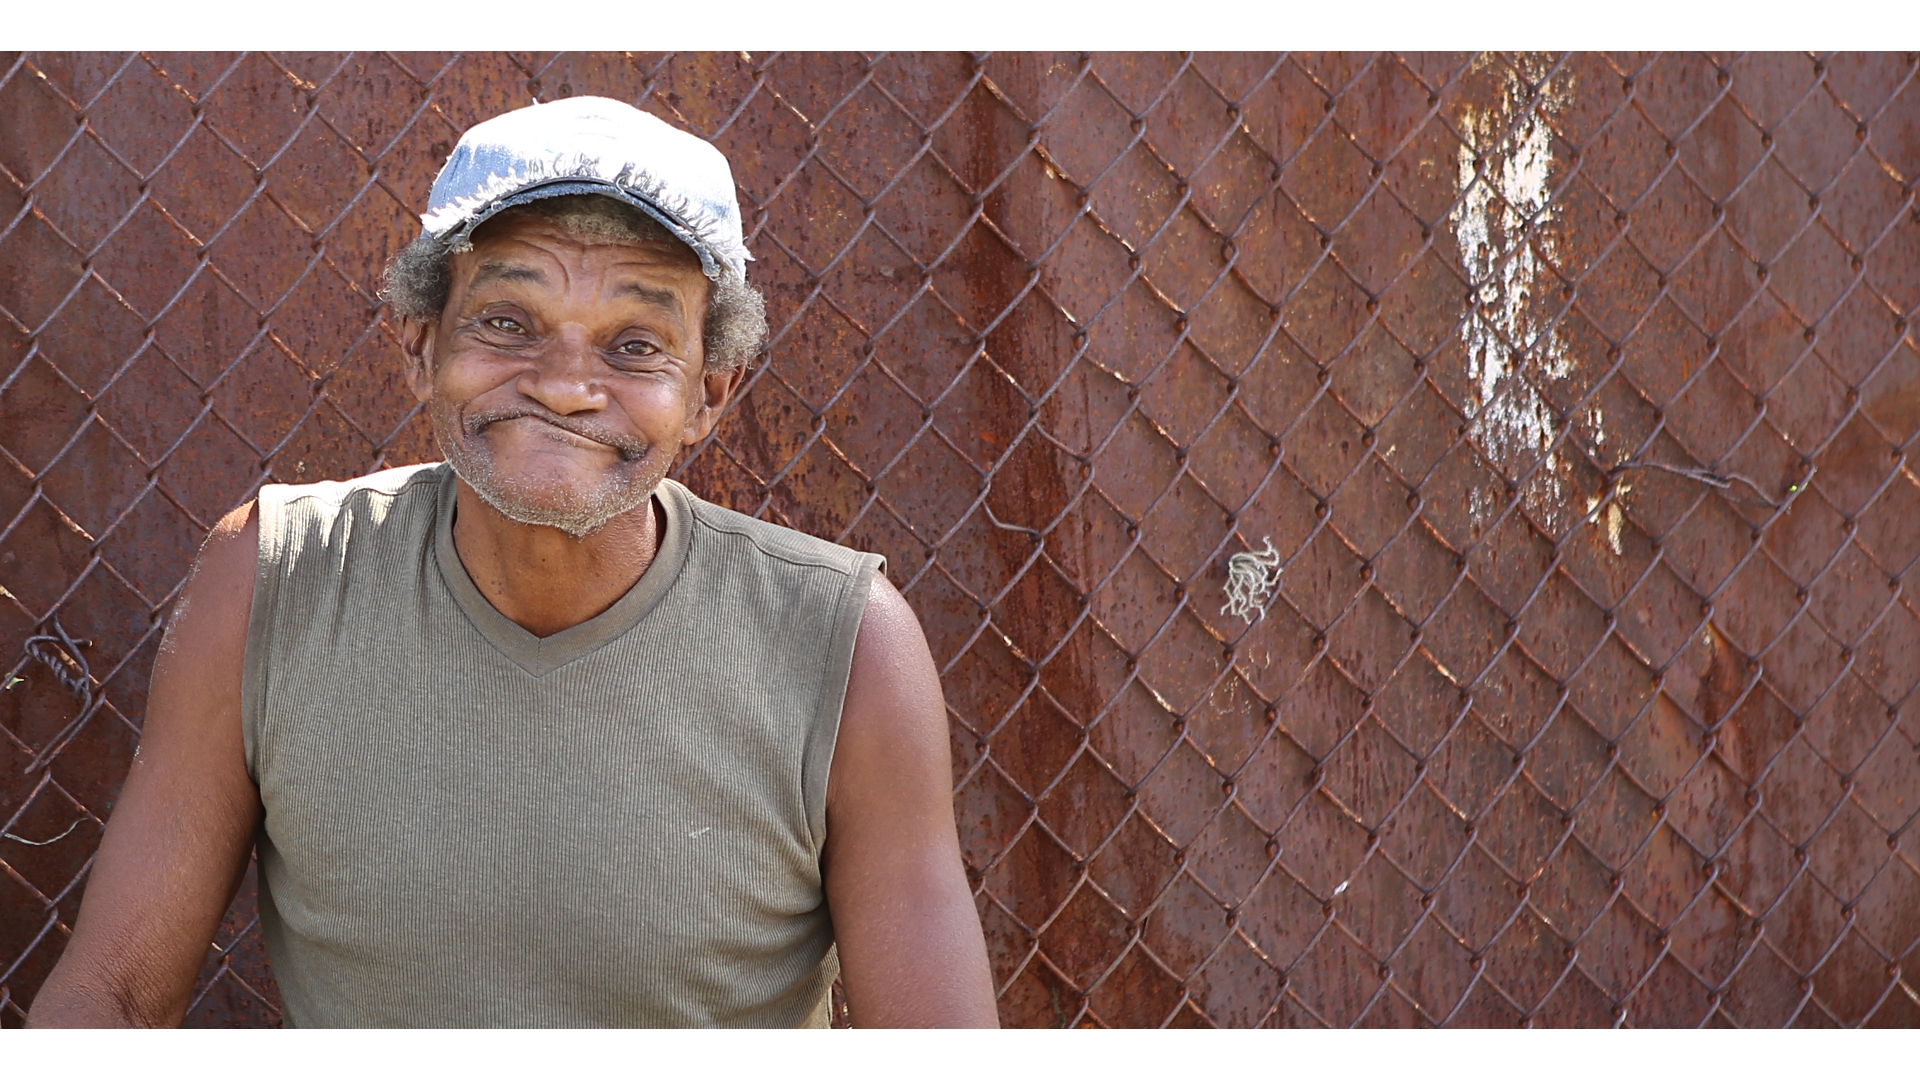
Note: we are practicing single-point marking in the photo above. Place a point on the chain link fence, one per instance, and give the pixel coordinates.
(1409, 539)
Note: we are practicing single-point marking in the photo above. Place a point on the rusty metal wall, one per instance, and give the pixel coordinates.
(1573, 397)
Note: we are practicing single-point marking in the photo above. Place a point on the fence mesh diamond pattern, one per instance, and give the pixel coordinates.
(1559, 409)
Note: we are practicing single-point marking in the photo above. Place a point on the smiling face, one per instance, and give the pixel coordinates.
(565, 373)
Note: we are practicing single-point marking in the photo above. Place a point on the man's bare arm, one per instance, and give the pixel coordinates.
(911, 951)
(177, 843)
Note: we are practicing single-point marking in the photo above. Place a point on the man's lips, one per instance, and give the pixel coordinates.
(558, 433)
(560, 428)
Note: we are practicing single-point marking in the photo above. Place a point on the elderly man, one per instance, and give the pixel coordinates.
(536, 736)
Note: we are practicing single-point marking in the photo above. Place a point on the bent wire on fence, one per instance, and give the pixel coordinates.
(1252, 577)
(60, 655)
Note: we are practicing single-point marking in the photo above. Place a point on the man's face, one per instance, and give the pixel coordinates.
(565, 373)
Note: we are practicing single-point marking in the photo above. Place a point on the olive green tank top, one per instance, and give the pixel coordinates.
(467, 825)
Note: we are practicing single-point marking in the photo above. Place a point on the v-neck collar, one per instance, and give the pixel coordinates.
(538, 656)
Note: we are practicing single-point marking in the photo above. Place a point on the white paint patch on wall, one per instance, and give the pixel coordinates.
(1512, 336)
(1610, 515)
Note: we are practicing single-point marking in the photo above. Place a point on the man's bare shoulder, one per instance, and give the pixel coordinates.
(890, 633)
(227, 563)
(894, 709)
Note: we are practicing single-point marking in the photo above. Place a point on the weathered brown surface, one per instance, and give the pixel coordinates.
(1575, 393)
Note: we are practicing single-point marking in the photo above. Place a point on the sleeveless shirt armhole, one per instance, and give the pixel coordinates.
(270, 508)
(818, 765)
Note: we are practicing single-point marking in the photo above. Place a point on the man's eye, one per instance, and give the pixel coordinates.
(638, 348)
(506, 325)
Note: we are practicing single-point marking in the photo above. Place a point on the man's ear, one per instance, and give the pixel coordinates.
(416, 342)
(717, 388)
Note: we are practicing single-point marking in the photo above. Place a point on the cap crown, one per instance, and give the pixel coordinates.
(592, 145)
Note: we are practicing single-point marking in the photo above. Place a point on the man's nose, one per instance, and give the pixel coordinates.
(566, 376)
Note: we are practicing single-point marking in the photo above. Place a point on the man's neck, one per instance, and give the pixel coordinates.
(542, 578)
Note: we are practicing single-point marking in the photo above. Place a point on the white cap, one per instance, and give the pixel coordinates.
(599, 146)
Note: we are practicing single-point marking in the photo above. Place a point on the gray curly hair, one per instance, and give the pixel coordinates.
(418, 277)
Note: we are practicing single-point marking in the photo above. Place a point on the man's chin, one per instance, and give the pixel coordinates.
(560, 487)
(579, 519)
(557, 501)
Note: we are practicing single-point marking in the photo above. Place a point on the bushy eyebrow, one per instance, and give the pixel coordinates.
(494, 270)
(647, 294)
(504, 271)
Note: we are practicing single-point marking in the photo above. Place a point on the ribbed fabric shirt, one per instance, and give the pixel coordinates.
(617, 825)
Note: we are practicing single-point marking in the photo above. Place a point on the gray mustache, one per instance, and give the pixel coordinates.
(629, 448)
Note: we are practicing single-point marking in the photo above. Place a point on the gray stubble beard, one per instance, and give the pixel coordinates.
(582, 517)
